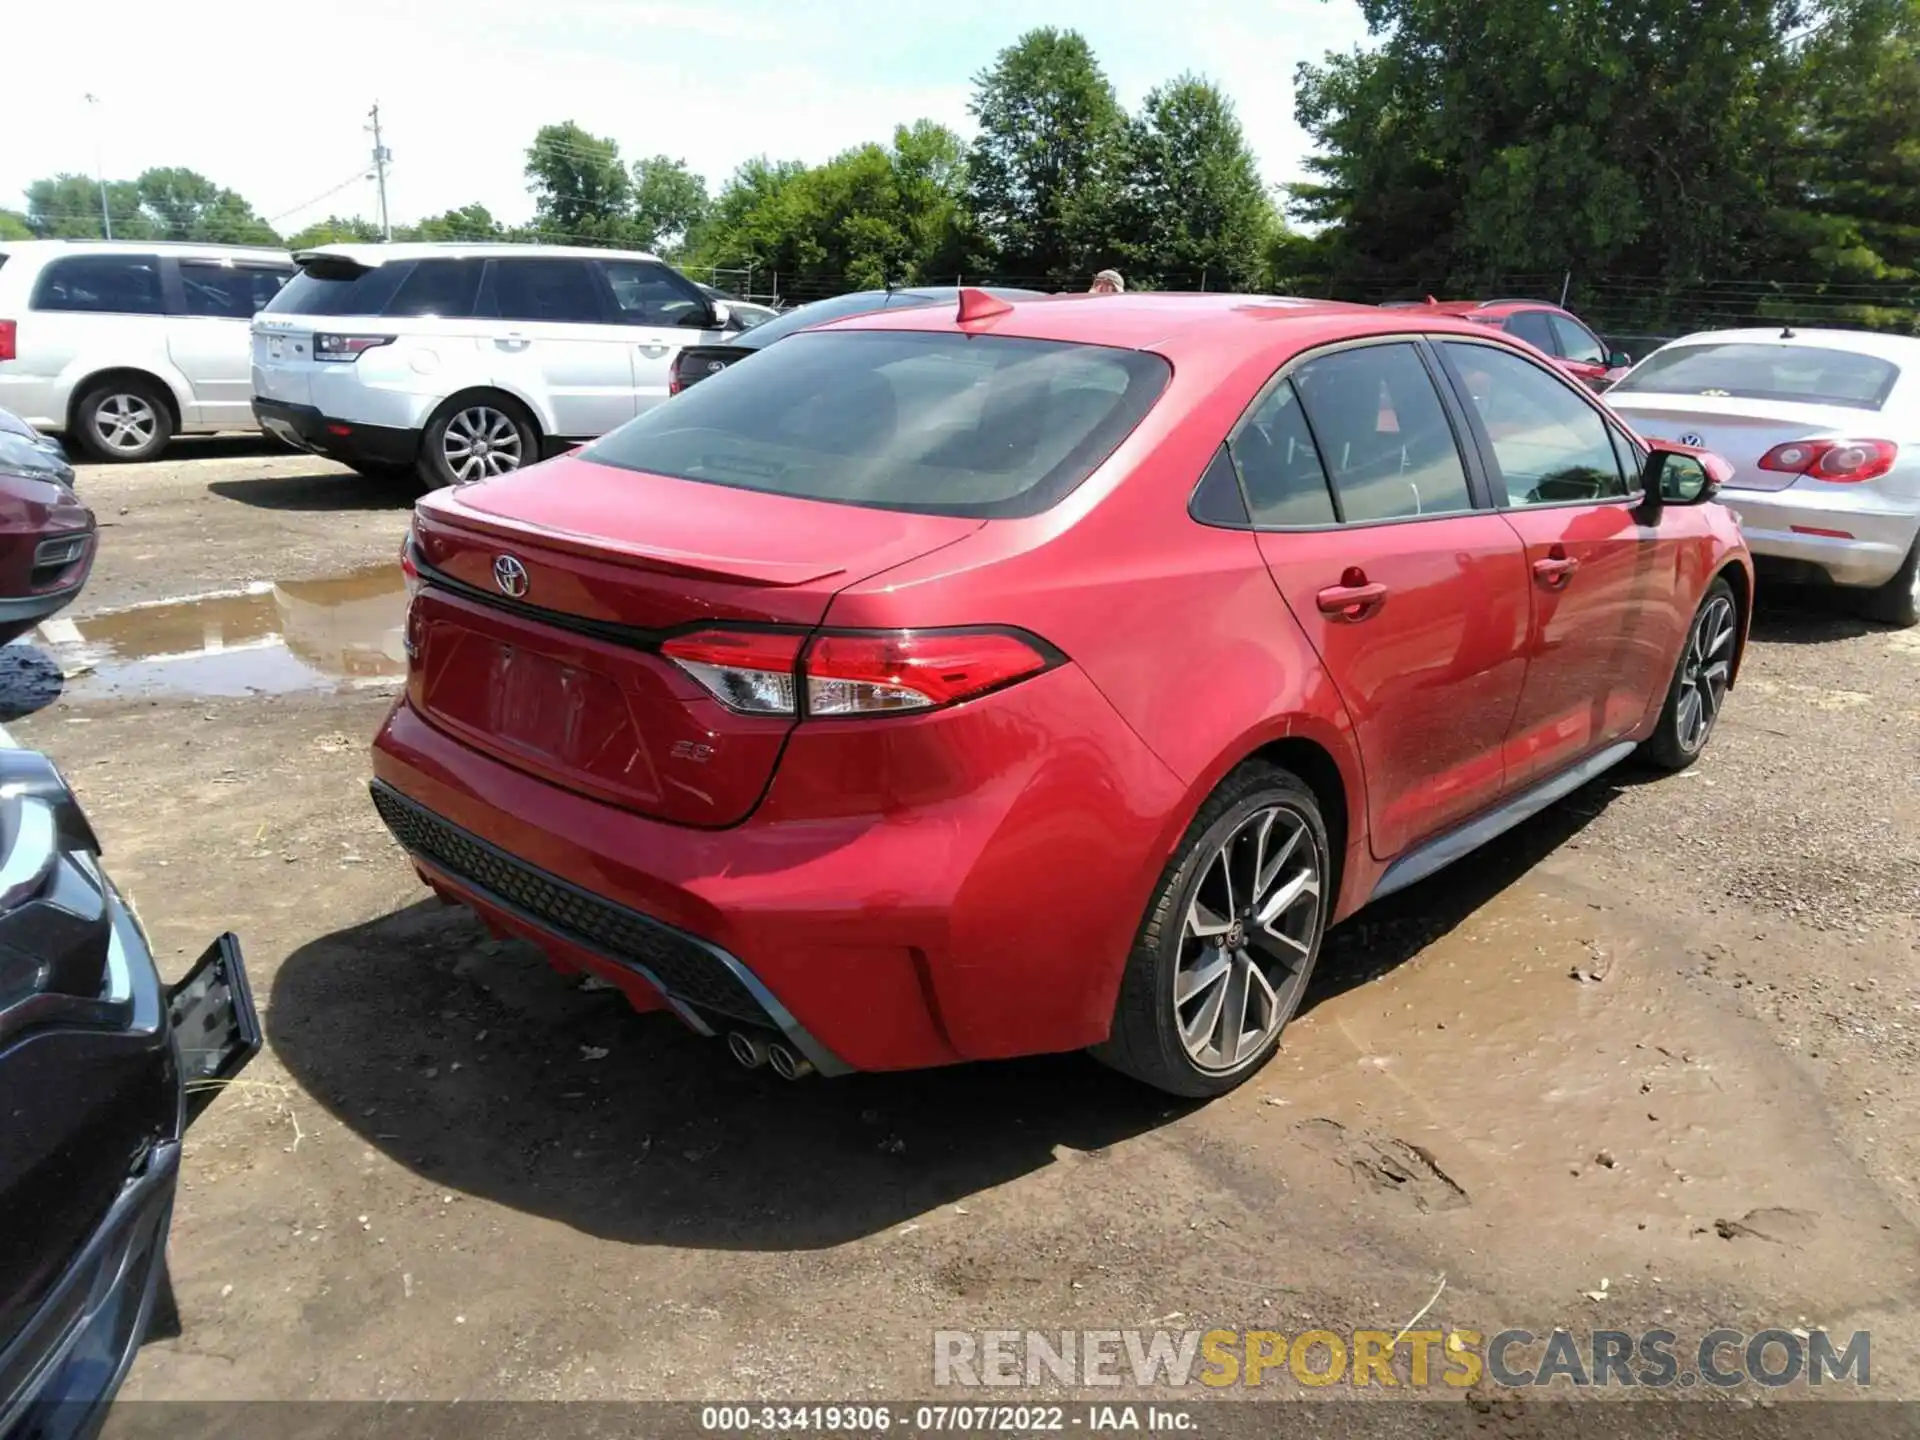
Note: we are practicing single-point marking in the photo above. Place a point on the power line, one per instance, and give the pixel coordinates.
(352, 179)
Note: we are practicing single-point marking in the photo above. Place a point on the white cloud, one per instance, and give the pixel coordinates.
(272, 102)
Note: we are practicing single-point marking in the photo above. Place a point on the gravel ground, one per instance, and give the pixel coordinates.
(1650, 1060)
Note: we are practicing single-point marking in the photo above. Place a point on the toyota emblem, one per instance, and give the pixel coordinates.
(511, 576)
(1692, 439)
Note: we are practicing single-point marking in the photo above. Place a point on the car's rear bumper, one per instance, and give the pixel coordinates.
(921, 930)
(1831, 532)
(305, 427)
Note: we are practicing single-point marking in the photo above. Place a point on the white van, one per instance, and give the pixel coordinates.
(456, 362)
(121, 345)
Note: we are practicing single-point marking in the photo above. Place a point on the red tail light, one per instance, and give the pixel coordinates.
(9, 339)
(1839, 460)
(856, 673)
(409, 567)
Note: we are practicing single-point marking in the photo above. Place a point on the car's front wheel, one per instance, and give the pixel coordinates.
(1229, 941)
(1700, 681)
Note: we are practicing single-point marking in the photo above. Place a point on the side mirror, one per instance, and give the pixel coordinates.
(1619, 360)
(723, 316)
(1679, 475)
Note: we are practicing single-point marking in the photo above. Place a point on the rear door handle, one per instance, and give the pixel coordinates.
(511, 341)
(1352, 602)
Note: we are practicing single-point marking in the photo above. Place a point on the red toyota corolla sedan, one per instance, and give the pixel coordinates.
(1024, 677)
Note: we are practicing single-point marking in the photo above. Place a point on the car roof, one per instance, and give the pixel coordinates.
(1169, 323)
(378, 252)
(180, 249)
(1903, 348)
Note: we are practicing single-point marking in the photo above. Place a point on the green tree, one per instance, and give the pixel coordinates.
(335, 230)
(1044, 168)
(1194, 208)
(186, 205)
(469, 223)
(930, 180)
(13, 226)
(669, 202)
(67, 207)
(581, 190)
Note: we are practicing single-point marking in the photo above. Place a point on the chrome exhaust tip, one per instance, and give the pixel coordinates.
(749, 1050)
(786, 1064)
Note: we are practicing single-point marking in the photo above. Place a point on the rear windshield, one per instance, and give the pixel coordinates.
(334, 288)
(935, 424)
(1800, 374)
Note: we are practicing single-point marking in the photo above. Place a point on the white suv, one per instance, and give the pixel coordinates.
(122, 345)
(456, 362)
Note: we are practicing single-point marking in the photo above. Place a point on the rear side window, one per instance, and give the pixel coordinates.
(440, 289)
(108, 284)
(1382, 434)
(330, 286)
(232, 292)
(1799, 374)
(935, 424)
(1532, 327)
(554, 291)
(1286, 484)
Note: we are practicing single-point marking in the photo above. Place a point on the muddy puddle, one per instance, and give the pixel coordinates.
(262, 639)
(1547, 1069)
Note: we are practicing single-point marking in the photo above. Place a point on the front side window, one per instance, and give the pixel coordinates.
(931, 423)
(555, 291)
(1577, 343)
(1382, 434)
(228, 291)
(646, 294)
(105, 284)
(1550, 445)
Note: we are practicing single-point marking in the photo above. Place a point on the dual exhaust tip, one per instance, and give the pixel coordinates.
(753, 1051)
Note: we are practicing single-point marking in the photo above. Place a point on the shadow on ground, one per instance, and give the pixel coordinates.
(322, 490)
(472, 1063)
(1808, 615)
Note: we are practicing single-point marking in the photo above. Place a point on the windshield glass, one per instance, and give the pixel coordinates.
(1799, 374)
(934, 423)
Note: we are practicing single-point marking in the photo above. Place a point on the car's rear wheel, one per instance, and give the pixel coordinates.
(1898, 601)
(476, 437)
(1700, 680)
(124, 421)
(1229, 941)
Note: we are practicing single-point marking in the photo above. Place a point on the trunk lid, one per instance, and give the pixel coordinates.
(283, 361)
(1739, 431)
(563, 679)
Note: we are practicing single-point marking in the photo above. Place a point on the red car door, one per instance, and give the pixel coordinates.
(1600, 581)
(1414, 599)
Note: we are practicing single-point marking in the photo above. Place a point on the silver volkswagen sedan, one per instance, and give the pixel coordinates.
(1822, 428)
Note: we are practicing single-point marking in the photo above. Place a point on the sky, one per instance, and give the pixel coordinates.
(272, 101)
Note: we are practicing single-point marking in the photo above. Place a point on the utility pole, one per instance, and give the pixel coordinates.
(381, 155)
(100, 168)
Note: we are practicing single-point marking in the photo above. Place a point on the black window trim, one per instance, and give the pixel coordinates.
(160, 267)
(1465, 442)
(1636, 491)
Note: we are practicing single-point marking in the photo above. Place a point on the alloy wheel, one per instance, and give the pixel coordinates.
(125, 422)
(1704, 674)
(479, 442)
(1247, 939)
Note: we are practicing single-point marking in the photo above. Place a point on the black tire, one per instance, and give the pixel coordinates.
(435, 470)
(124, 421)
(1898, 601)
(1678, 739)
(1146, 1041)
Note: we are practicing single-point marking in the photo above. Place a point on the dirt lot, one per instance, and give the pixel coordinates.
(1650, 1061)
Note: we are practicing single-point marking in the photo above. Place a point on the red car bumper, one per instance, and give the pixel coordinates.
(919, 891)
